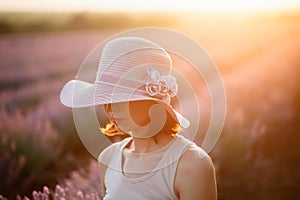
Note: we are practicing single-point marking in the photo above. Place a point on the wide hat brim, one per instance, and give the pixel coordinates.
(78, 94)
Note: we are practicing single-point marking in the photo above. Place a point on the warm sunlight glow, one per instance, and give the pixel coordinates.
(146, 5)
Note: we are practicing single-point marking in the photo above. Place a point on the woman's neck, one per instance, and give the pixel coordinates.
(146, 145)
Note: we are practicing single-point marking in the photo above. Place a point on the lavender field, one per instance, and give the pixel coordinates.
(256, 157)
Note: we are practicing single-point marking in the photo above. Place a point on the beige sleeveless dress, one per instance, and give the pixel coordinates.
(151, 175)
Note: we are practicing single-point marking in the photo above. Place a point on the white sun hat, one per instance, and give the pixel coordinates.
(130, 69)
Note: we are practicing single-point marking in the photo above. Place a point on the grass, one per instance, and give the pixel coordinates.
(44, 22)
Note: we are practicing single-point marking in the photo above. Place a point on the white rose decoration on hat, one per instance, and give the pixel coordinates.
(157, 85)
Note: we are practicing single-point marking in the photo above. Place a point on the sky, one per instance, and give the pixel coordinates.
(148, 5)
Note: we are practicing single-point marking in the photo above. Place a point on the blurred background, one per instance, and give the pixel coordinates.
(255, 44)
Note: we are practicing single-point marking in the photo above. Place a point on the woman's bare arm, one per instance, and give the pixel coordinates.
(195, 177)
(103, 162)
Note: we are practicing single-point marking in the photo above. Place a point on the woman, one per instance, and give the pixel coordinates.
(135, 86)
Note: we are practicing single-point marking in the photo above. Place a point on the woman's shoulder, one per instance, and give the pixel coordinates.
(192, 151)
(107, 153)
(201, 184)
(196, 155)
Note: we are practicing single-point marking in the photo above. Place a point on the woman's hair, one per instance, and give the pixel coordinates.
(171, 127)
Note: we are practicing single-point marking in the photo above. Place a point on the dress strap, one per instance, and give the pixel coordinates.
(174, 152)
